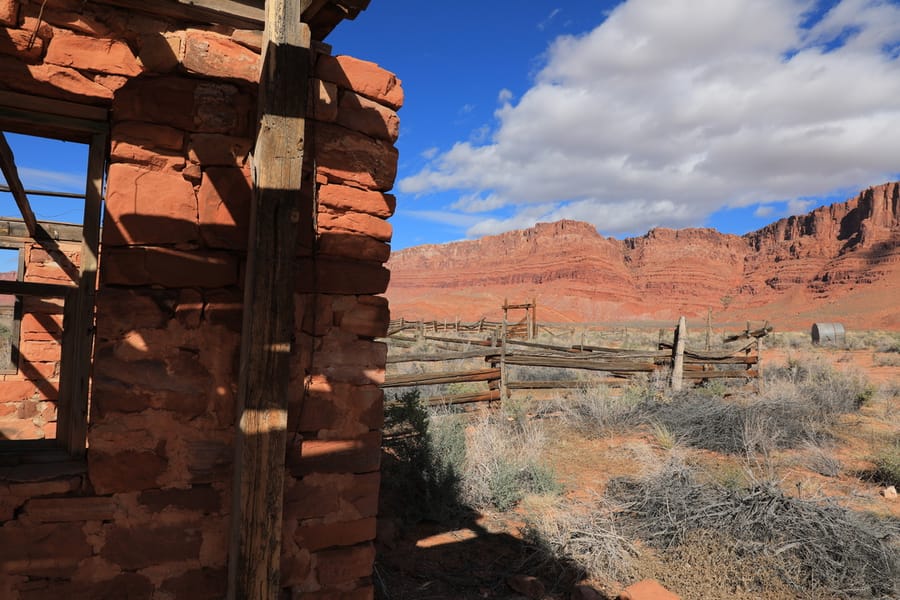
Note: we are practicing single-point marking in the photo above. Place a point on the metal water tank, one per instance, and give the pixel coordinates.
(831, 334)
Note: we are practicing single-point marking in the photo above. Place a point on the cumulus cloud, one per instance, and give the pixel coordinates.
(667, 112)
(504, 96)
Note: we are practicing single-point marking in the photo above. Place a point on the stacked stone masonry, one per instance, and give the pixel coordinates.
(147, 514)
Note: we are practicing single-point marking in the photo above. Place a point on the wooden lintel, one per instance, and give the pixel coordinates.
(11, 173)
(268, 323)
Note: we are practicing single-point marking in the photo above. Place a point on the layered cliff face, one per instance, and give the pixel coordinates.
(839, 262)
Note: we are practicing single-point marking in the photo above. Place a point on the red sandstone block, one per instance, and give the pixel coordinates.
(224, 203)
(366, 116)
(52, 81)
(15, 42)
(347, 496)
(219, 57)
(346, 198)
(17, 391)
(45, 488)
(164, 100)
(323, 100)
(50, 510)
(223, 108)
(354, 247)
(160, 52)
(202, 499)
(365, 320)
(41, 351)
(362, 455)
(344, 565)
(46, 549)
(168, 268)
(124, 471)
(199, 584)
(9, 12)
(346, 409)
(120, 311)
(154, 160)
(41, 324)
(148, 207)
(343, 277)
(92, 54)
(217, 150)
(137, 547)
(148, 135)
(347, 533)
(363, 77)
(365, 592)
(345, 156)
(355, 222)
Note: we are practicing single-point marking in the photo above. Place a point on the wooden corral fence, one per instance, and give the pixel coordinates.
(500, 350)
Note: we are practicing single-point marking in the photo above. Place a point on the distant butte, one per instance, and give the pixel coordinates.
(837, 263)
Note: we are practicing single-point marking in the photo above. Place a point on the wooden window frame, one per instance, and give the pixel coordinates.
(29, 115)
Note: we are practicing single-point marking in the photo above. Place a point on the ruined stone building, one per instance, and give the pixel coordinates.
(189, 400)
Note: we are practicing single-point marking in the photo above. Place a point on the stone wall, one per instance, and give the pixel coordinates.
(147, 514)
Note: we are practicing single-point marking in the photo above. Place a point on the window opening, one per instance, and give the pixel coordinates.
(50, 195)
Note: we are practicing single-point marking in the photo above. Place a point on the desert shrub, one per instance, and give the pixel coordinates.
(886, 359)
(503, 463)
(822, 460)
(585, 534)
(887, 464)
(596, 411)
(429, 451)
(814, 544)
(816, 381)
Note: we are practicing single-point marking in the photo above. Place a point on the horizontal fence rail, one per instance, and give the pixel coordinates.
(504, 346)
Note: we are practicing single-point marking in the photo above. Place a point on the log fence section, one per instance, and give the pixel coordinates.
(501, 351)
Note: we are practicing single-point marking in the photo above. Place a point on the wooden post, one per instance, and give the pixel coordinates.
(759, 367)
(708, 327)
(268, 322)
(678, 355)
(503, 374)
(534, 325)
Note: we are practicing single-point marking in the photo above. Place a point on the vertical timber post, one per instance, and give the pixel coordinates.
(708, 327)
(268, 319)
(503, 376)
(678, 355)
(759, 366)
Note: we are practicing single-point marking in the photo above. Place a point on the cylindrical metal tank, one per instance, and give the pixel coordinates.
(831, 334)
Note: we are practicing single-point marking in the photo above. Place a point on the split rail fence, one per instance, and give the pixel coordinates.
(497, 344)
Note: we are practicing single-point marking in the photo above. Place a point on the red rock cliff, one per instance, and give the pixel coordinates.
(838, 262)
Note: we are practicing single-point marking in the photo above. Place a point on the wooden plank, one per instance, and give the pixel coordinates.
(30, 122)
(441, 378)
(53, 107)
(488, 396)
(587, 365)
(268, 324)
(223, 12)
(11, 173)
(749, 374)
(78, 348)
(407, 358)
(28, 288)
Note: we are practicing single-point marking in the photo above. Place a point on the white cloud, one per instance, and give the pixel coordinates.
(763, 210)
(504, 96)
(546, 22)
(430, 153)
(56, 181)
(667, 112)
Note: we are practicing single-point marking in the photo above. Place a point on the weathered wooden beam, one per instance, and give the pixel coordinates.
(268, 323)
(678, 355)
(11, 173)
(441, 378)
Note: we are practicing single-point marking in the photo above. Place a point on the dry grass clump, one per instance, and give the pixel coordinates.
(504, 462)
(586, 536)
(812, 545)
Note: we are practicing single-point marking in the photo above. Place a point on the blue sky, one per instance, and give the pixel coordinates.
(630, 115)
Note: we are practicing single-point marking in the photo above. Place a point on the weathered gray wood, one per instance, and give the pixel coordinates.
(441, 378)
(47, 106)
(678, 355)
(28, 288)
(408, 358)
(268, 324)
(78, 333)
(11, 173)
(488, 396)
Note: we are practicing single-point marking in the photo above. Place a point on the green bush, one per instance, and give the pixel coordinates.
(887, 464)
(429, 452)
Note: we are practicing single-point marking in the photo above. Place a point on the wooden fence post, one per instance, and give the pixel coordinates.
(708, 326)
(759, 368)
(503, 374)
(678, 355)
